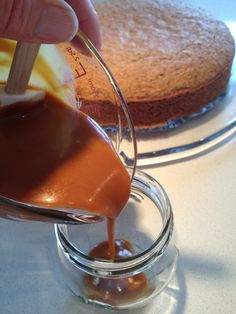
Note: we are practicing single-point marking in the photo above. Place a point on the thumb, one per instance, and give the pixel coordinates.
(39, 21)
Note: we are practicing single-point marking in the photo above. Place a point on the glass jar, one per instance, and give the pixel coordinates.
(147, 223)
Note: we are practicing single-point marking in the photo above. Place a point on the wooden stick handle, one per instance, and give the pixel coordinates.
(21, 67)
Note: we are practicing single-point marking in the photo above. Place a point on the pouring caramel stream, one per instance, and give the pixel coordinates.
(52, 155)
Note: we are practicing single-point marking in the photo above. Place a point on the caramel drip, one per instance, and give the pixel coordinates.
(111, 237)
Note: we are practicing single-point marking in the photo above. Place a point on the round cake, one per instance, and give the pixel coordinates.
(169, 58)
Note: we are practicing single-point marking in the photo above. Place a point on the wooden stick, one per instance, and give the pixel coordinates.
(21, 68)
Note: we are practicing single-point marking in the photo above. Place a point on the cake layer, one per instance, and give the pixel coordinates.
(169, 58)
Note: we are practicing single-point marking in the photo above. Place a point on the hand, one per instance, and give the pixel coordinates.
(48, 21)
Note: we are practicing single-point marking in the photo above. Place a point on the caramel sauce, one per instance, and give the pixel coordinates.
(115, 291)
(53, 155)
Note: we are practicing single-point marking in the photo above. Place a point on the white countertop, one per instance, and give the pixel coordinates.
(203, 195)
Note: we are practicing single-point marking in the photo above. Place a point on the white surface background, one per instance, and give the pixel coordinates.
(203, 195)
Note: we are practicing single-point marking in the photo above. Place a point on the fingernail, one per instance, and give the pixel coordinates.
(56, 25)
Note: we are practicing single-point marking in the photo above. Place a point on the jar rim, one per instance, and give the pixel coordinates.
(137, 263)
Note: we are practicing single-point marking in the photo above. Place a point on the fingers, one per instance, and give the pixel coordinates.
(42, 21)
(88, 20)
(48, 21)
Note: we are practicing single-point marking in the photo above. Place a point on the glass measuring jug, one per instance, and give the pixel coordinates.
(51, 78)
